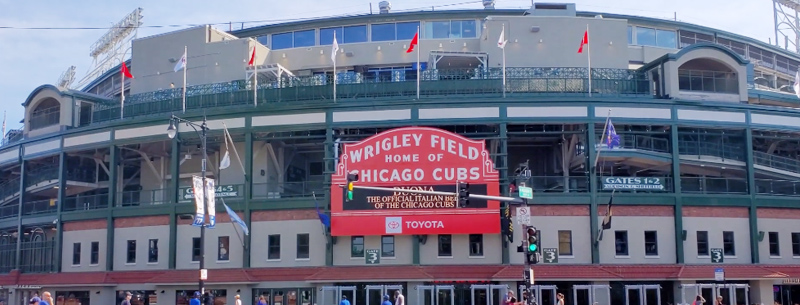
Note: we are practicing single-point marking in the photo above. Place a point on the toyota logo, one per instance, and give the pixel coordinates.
(393, 225)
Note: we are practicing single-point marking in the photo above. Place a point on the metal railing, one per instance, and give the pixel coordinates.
(277, 190)
(776, 187)
(8, 255)
(9, 189)
(38, 256)
(85, 202)
(434, 82)
(50, 172)
(143, 197)
(45, 117)
(555, 184)
(702, 148)
(705, 185)
(779, 162)
(9, 211)
(39, 207)
(708, 81)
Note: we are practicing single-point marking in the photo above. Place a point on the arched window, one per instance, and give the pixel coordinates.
(707, 75)
(46, 113)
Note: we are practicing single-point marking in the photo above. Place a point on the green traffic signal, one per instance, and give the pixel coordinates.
(532, 247)
(349, 195)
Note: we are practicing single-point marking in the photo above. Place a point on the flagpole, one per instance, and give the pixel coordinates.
(504, 61)
(185, 67)
(605, 127)
(122, 97)
(255, 79)
(419, 47)
(589, 56)
(4, 124)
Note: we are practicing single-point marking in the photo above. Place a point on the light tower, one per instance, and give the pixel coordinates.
(787, 24)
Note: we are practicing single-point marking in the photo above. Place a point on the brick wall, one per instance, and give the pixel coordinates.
(556, 210)
(775, 213)
(283, 215)
(637, 210)
(723, 212)
(144, 221)
(94, 224)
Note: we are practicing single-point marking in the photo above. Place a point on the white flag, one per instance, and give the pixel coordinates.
(334, 49)
(501, 43)
(796, 85)
(226, 161)
(181, 63)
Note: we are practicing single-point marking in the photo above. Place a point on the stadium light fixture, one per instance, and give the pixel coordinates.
(171, 130)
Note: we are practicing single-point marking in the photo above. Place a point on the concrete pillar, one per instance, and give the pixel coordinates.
(761, 292)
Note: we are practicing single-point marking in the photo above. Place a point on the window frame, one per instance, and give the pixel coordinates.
(76, 254)
(130, 253)
(704, 242)
(445, 245)
(776, 242)
(732, 244)
(627, 251)
(152, 256)
(353, 252)
(227, 247)
(196, 244)
(94, 253)
(568, 243)
(476, 240)
(303, 247)
(274, 247)
(796, 244)
(387, 241)
(653, 242)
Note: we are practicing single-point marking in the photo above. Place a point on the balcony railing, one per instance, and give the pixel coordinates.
(9, 211)
(704, 185)
(702, 148)
(8, 254)
(39, 207)
(434, 82)
(143, 197)
(38, 256)
(556, 184)
(50, 172)
(287, 189)
(9, 189)
(778, 162)
(45, 117)
(775, 187)
(85, 202)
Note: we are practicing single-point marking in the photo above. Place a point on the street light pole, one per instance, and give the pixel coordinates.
(172, 132)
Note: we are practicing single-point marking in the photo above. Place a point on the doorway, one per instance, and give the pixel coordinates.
(436, 295)
(334, 294)
(732, 294)
(591, 295)
(542, 294)
(375, 293)
(642, 294)
(488, 294)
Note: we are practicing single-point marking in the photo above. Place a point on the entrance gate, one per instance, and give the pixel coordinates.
(542, 294)
(729, 293)
(488, 294)
(643, 294)
(333, 294)
(436, 295)
(375, 293)
(591, 295)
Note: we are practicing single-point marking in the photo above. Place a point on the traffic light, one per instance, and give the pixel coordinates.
(463, 194)
(351, 178)
(533, 243)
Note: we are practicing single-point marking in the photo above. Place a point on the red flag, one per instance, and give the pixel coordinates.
(252, 57)
(125, 71)
(585, 41)
(414, 43)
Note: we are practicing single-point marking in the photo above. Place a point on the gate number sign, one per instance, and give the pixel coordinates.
(717, 255)
(372, 256)
(550, 255)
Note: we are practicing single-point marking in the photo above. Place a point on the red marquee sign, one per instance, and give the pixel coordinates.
(420, 158)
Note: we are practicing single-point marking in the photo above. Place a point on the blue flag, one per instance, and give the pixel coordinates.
(235, 218)
(612, 139)
(323, 218)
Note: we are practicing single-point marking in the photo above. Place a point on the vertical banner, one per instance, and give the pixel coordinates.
(197, 189)
(212, 211)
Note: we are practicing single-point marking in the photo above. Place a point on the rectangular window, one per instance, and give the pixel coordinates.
(645, 36)
(630, 34)
(565, 243)
(94, 257)
(131, 252)
(305, 38)
(650, 243)
(152, 251)
(621, 243)
(303, 246)
(274, 247)
(387, 246)
(728, 244)
(476, 245)
(667, 39)
(357, 246)
(702, 243)
(774, 244)
(263, 39)
(282, 41)
(437, 29)
(384, 32)
(76, 253)
(445, 245)
(196, 249)
(353, 34)
(223, 250)
(407, 30)
(795, 244)
(326, 36)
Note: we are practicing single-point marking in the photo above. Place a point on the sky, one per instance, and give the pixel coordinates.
(31, 58)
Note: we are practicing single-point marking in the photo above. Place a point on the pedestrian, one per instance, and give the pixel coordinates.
(344, 301)
(262, 300)
(35, 301)
(238, 300)
(195, 299)
(386, 300)
(699, 300)
(47, 299)
(399, 299)
(560, 298)
(127, 300)
(510, 299)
